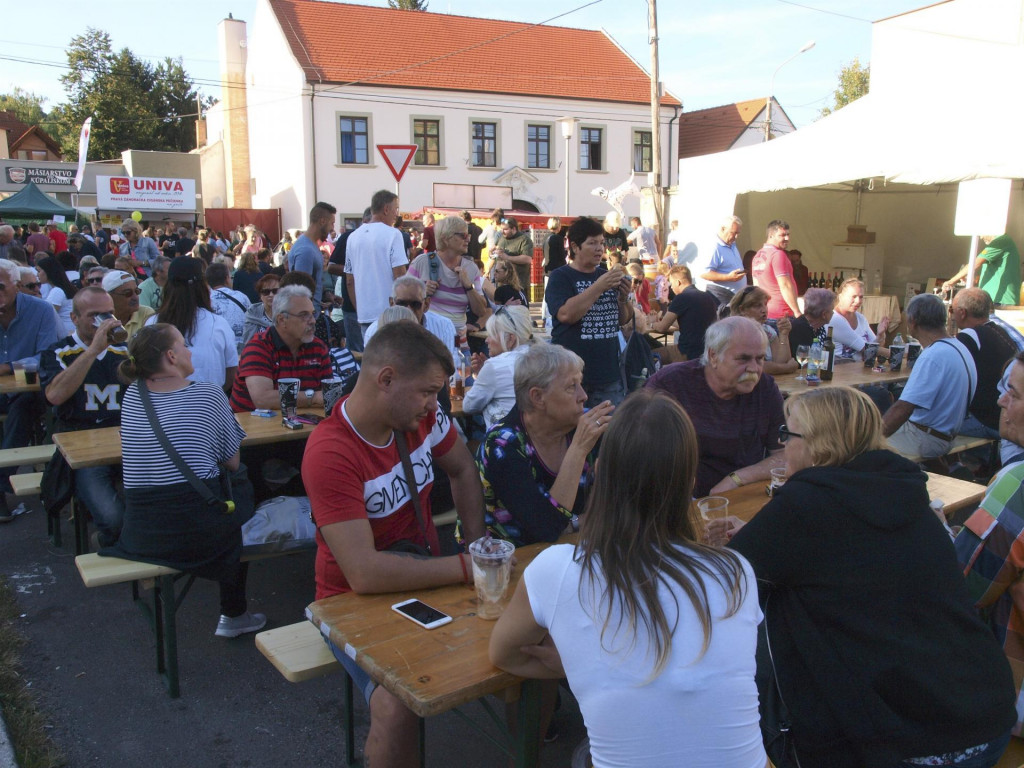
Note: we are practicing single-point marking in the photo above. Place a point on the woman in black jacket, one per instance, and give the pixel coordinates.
(880, 655)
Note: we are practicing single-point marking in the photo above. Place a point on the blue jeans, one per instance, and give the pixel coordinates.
(353, 333)
(23, 414)
(95, 487)
(362, 681)
(615, 391)
(974, 428)
(984, 759)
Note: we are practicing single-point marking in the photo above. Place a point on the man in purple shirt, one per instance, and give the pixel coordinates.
(735, 409)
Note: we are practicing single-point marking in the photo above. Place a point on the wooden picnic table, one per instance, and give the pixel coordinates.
(10, 385)
(100, 447)
(852, 374)
(432, 671)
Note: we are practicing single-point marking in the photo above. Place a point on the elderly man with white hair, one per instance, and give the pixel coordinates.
(723, 274)
(735, 409)
(29, 282)
(28, 326)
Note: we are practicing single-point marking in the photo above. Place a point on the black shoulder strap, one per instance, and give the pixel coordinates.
(172, 453)
(239, 304)
(410, 481)
(970, 394)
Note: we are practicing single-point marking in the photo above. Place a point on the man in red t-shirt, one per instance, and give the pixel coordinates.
(773, 272)
(353, 473)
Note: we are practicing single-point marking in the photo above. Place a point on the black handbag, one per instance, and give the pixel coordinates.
(57, 487)
(231, 493)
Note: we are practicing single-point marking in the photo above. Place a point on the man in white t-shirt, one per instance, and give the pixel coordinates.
(646, 240)
(227, 302)
(374, 257)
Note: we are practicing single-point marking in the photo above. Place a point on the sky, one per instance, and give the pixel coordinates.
(711, 53)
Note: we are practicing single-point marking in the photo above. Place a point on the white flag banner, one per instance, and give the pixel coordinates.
(83, 150)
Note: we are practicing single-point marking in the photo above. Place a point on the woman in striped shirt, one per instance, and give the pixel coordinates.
(167, 522)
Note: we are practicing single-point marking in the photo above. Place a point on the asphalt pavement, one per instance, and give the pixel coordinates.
(90, 659)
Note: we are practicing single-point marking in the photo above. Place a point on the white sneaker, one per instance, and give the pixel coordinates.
(239, 625)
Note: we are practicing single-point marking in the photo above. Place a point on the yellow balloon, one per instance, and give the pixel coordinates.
(137, 215)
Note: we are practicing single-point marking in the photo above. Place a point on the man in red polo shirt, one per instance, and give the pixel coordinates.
(773, 272)
(288, 349)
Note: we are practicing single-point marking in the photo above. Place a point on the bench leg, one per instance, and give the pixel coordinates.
(81, 523)
(528, 726)
(161, 617)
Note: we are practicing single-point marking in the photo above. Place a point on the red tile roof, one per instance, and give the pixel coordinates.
(342, 43)
(18, 131)
(716, 129)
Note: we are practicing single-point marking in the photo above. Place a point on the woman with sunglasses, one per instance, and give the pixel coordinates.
(503, 287)
(879, 653)
(752, 302)
(509, 334)
(259, 314)
(454, 283)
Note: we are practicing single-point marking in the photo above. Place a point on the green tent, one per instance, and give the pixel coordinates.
(32, 203)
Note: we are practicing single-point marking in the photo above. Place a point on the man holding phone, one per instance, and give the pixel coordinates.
(368, 523)
(588, 304)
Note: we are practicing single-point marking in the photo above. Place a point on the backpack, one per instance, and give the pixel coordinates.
(639, 362)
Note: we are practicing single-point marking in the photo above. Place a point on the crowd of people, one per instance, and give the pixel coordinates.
(847, 591)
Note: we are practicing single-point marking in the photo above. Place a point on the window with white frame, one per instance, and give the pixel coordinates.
(591, 146)
(484, 138)
(538, 146)
(355, 139)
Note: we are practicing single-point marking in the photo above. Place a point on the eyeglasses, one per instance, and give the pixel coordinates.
(129, 293)
(268, 291)
(413, 304)
(95, 280)
(461, 234)
(31, 286)
(785, 434)
(303, 316)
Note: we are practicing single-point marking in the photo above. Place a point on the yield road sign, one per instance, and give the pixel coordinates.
(397, 157)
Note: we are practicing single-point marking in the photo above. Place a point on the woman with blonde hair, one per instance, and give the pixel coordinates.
(879, 654)
(504, 288)
(509, 334)
(454, 283)
(752, 302)
(851, 331)
(655, 631)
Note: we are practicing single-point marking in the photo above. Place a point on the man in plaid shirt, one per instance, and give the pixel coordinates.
(990, 546)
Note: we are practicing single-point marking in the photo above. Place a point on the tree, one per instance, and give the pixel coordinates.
(854, 80)
(408, 5)
(133, 104)
(25, 105)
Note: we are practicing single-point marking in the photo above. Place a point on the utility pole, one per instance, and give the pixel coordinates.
(652, 16)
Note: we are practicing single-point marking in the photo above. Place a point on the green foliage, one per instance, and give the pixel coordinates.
(25, 105)
(854, 80)
(408, 5)
(133, 104)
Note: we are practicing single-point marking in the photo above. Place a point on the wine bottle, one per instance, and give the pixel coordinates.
(813, 282)
(830, 356)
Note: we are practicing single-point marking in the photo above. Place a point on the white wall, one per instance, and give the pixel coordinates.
(278, 114)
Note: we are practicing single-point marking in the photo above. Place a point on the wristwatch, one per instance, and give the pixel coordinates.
(309, 397)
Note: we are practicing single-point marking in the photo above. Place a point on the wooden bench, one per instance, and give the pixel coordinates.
(160, 610)
(28, 456)
(965, 443)
(27, 484)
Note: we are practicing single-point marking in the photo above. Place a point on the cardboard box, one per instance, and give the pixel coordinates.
(858, 233)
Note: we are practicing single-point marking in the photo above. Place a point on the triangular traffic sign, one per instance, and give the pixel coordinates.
(397, 157)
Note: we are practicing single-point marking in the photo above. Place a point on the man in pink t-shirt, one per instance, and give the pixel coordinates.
(773, 271)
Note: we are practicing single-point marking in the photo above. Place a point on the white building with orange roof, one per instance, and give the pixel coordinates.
(320, 84)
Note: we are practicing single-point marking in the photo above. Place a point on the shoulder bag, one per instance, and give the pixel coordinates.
(236, 498)
(407, 545)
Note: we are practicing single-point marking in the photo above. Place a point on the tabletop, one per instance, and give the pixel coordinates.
(9, 385)
(852, 374)
(430, 671)
(100, 447)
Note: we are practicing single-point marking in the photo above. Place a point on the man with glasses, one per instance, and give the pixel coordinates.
(27, 327)
(735, 411)
(94, 276)
(152, 287)
(29, 282)
(125, 292)
(287, 350)
(79, 377)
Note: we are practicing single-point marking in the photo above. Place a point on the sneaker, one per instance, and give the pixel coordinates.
(239, 625)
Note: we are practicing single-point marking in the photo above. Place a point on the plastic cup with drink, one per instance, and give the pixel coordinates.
(777, 480)
(714, 510)
(288, 390)
(492, 567)
(332, 389)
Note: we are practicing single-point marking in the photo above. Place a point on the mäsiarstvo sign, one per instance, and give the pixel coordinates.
(134, 193)
(52, 176)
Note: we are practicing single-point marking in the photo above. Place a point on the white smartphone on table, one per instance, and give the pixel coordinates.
(421, 613)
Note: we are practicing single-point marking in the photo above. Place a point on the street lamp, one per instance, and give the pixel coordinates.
(568, 125)
(768, 107)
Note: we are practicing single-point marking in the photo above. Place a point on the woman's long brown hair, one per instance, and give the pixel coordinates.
(639, 529)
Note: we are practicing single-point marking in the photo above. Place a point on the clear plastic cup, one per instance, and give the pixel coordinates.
(288, 389)
(492, 567)
(713, 509)
(777, 480)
